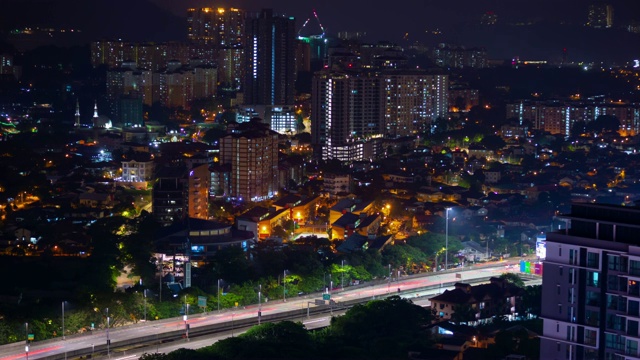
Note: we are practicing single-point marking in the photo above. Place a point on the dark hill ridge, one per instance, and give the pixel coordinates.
(134, 20)
(145, 20)
(545, 41)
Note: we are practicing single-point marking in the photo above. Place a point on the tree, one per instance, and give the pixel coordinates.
(604, 123)
(384, 328)
(531, 301)
(231, 264)
(280, 232)
(493, 142)
(283, 340)
(513, 278)
(578, 128)
(463, 313)
(214, 134)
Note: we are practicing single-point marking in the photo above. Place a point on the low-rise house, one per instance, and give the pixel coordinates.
(261, 221)
(473, 251)
(480, 302)
(335, 184)
(474, 211)
(358, 242)
(95, 200)
(350, 205)
(345, 226)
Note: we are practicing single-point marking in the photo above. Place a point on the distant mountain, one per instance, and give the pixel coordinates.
(135, 20)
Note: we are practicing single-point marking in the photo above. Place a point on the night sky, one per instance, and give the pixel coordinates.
(140, 20)
(391, 19)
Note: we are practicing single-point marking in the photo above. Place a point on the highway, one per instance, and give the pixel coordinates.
(125, 341)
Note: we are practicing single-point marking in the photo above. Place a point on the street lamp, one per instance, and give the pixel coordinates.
(259, 304)
(144, 295)
(108, 340)
(26, 347)
(186, 317)
(389, 282)
(342, 276)
(218, 295)
(446, 240)
(284, 286)
(63, 337)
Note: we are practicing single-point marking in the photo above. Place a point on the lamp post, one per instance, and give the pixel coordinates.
(108, 340)
(218, 295)
(144, 295)
(389, 282)
(342, 276)
(259, 304)
(330, 288)
(446, 240)
(63, 337)
(185, 318)
(26, 347)
(284, 286)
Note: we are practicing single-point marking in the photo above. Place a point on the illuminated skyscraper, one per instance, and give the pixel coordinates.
(270, 48)
(600, 15)
(252, 151)
(201, 25)
(413, 100)
(347, 109)
(218, 27)
(591, 285)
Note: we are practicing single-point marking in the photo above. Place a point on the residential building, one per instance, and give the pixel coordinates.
(498, 297)
(301, 208)
(138, 168)
(216, 27)
(261, 221)
(199, 181)
(130, 110)
(334, 184)
(346, 111)
(169, 203)
(558, 117)
(462, 99)
(252, 151)
(600, 15)
(446, 55)
(413, 99)
(220, 180)
(591, 285)
(344, 206)
(178, 85)
(270, 47)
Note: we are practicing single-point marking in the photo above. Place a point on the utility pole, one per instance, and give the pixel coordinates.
(342, 278)
(186, 317)
(389, 282)
(446, 241)
(108, 340)
(26, 348)
(259, 304)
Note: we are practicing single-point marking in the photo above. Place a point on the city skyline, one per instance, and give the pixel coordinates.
(550, 26)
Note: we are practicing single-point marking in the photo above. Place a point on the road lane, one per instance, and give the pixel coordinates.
(43, 349)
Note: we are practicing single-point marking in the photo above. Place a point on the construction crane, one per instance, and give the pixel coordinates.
(315, 15)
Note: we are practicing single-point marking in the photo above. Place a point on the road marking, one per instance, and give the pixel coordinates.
(34, 352)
